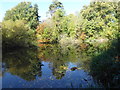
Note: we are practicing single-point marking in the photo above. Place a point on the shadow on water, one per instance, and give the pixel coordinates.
(105, 67)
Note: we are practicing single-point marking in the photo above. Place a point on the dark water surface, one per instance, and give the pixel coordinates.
(53, 66)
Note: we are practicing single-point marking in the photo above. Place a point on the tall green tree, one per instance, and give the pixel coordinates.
(55, 6)
(99, 19)
(24, 11)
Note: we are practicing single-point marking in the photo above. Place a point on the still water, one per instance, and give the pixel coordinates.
(49, 66)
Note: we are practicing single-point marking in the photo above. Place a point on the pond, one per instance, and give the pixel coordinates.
(56, 66)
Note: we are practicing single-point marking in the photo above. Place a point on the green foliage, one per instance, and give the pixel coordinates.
(58, 15)
(52, 29)
(55, 6)
(70, 24)
(105, 66)
(46, 31)
(24, 11)
(100, 20)
(17, 33)
(97, 22)
(59, 25)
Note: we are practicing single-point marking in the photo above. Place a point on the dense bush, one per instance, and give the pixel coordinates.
(46, 31)
(16, 33)
(105, 67)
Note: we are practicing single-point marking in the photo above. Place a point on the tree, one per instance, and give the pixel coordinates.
(50, 29)
(99, 19)
(24, 11)
(55, 6)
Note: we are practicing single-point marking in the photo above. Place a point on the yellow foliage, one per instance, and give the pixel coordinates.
(83, 35)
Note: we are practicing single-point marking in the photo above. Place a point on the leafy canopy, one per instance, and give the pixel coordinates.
(24, 11)
(55, 6)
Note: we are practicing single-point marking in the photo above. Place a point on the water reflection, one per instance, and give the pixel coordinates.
(52, 64)
(23, 63)
(60, 57)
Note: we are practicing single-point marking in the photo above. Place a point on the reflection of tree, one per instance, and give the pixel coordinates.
(23, 63)
(59, 68)
(56, 52)
(58, 57)
(58, 73)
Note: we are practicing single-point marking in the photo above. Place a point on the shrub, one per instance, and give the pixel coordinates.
(16, 33)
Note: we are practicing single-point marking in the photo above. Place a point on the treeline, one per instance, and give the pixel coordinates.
(97, 22)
